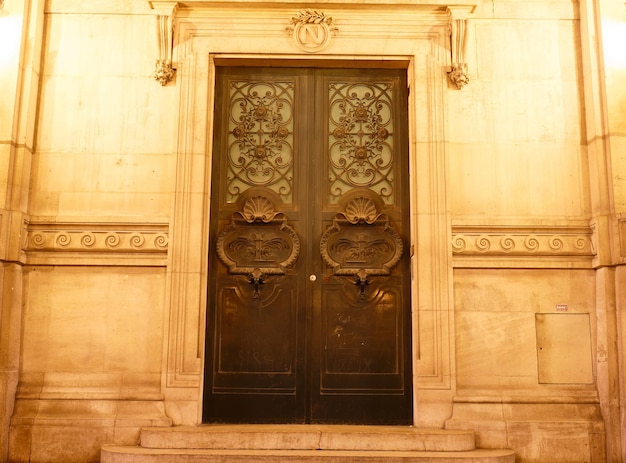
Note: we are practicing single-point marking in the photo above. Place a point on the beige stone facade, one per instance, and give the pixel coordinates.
(517, 121)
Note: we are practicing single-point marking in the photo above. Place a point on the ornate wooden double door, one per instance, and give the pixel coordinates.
(308, 293)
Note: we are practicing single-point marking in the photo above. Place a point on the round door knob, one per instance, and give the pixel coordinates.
(312, 277)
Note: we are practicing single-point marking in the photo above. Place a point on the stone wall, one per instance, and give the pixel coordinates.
(518, 203)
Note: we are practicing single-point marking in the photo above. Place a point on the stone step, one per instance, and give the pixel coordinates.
(119, 454)
(306, 437)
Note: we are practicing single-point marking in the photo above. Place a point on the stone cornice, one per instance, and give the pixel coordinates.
(325, 3)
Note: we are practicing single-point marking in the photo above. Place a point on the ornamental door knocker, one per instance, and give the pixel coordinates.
(257, 241)
(361, 242)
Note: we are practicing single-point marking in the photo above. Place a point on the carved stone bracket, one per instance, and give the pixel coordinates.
(164, 72)
(459, 32)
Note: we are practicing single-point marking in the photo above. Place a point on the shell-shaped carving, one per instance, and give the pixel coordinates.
(361, 209)
(258, 208)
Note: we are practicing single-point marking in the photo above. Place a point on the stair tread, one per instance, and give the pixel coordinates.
(306, 437)
(352, 453)
(301, 428)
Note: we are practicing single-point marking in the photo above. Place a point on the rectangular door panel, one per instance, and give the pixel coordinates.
(361, 339)
(256, 338)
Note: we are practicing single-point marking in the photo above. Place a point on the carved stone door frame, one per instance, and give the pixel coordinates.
(421, 46)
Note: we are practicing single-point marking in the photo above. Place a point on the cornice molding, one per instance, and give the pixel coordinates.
(204, 4)
(312, 29)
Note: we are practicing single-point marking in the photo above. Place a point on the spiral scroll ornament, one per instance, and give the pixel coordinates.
(63, 239)
(136, 241)
(88, 240)
(112, 240)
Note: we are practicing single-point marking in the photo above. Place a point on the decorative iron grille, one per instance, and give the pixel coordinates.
(260, 139)
(361, 138)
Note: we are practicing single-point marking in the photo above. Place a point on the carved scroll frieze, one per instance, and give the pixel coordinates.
(51, 240)
(361, 241)
(311, 30)
(508, 242)
(96, 243)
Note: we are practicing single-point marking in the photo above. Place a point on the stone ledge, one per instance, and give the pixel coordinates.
(308, 437)
(113, 454)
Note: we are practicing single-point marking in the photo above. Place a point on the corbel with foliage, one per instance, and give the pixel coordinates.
(459, 32)
(166, 11)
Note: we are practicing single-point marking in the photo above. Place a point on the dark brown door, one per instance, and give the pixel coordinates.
(308, 316)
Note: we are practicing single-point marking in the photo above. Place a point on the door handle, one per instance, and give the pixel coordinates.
(362, 279)
(256, 279)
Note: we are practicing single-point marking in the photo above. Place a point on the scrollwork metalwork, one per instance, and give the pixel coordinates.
(361, 245)
(257, 241)
(361, 137)
(260, 143)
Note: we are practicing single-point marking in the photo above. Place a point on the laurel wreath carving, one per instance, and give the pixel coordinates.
(309, 16)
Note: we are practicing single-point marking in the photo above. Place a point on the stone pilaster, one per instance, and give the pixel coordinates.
(21, 23)
(604, 70)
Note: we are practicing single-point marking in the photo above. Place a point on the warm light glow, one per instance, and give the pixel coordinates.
(614, 41)
(10, 34)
